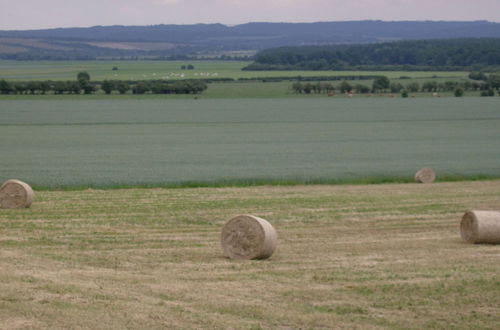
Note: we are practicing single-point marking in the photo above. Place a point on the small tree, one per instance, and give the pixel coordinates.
(450, 85)
(381, 83)
(430, 86)
(190, 67)
(32, 86)
(5, 87)
(494, 81)
(477, 76)
(44, 86)
(297, 87)
(140, 88)
(328, 87)
(345, 87)
(361, 89)
(489, 92)
(107, 86)
(404, 93)
(83, 77)
(459, 92)
(88, 89)
(122, 87)
(396, 87)
(73, 87)
(59, 87)
(317, 88)
(199, 86)
(413, 87)
(20, 88)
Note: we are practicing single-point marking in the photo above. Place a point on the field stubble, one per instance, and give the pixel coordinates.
(373, 256)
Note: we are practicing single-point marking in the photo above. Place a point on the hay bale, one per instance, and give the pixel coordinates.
(481, 227)
(248, 237)
(15, 194)
(425, 175)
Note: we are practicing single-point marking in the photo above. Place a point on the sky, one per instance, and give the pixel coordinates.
(40, 14)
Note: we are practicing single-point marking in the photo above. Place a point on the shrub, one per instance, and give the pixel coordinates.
(345, 87)
(489, 92)
(413, 87)
(459, 92)
(361, 89)
(477, 76)
(107, 86)
(140, 88)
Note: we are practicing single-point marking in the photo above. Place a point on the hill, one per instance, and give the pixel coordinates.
(220, 40)
(441, 54)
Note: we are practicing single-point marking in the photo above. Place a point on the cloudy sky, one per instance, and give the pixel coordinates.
(36, 14)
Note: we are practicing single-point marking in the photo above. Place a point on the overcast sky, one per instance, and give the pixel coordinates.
(37, 14)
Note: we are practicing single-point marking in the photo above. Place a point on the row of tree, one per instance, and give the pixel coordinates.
(449, 54)
(383, 84)
(84, 85)
(108, 87)
(155, 87)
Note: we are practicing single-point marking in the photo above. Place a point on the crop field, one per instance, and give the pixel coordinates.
(74, 142)
(148, 70)
(350, 257)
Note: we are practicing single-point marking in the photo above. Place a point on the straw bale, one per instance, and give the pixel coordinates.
(481, 227)
(425, 175)
(248, 237)
(15, 194)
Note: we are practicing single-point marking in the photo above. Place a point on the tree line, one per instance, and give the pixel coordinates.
(488, 86)
(83, 85)
(446, 54)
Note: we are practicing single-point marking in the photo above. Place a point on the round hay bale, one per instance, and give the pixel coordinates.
(15, 194)
(425, 175)
(248, 237)
(481, 227)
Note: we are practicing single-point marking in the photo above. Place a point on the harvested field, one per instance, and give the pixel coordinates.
(376, 256)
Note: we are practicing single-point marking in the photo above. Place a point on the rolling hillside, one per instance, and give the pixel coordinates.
(219, 40)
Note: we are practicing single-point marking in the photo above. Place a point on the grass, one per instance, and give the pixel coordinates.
(146, 70)
(166, 142)
(365, 256)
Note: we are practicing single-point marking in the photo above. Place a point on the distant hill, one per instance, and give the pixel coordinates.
(220, 40)
(442, 54)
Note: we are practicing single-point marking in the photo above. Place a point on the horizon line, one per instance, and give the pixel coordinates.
(256, 22)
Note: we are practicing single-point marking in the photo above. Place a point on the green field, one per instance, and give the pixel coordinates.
(348, 257)
(76, 142)
(147, 70)
(357, 256)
